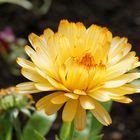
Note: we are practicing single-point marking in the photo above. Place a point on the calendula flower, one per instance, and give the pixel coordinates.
(83, 66)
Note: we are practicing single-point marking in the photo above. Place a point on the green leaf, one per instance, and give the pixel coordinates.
(56, 137)
(35, 135)
(17, 128)
(40, 122)
(99, 137)
(5, 128)
(38, 136)
(66, 131)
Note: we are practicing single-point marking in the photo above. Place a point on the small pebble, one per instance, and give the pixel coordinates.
(115, 136)
(121, 127)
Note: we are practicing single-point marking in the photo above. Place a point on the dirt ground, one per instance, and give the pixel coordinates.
(122, 17)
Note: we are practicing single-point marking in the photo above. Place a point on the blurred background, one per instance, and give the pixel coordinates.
(18, 18)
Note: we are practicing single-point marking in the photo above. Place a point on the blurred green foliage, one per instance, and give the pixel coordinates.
(17, 114)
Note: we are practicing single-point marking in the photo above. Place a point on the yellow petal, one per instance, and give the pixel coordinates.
(62, 73)
(69, 30)
(43, 102)
(81, 29)
(116, 45)
(72, 95)
(118, 56)
(52, 81)
(30, 52)
(137, 64)
(114, 83)
(64, 46)
(31, 38)
(37, 41)
(100, 95)
(25, 63)
(60, 99)
(80, 118)
(122, 99)
(37, 60)
(121, 80)
(76, 76)
(53, 48)
(69, 111)
(98, 53)
(51, 108)
(86, 102)
(47, 33)
(132, 76)
(97, 35)
(96, 78)
(101, 114)
(120, 91)
(33, 75)
(46, 57)
(79, 92)
(42, 57)
(115, 59)
(41, 60)
(26, 88)
(56, 84)
(123, 66)
(44, 86)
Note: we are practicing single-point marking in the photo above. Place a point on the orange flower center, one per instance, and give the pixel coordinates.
(88, 61)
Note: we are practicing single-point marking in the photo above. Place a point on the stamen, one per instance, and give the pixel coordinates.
(88, 61)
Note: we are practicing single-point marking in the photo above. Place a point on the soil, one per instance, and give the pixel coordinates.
(121, 17)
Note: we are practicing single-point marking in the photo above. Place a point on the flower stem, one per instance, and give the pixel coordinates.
(66, 131)
(17, 128)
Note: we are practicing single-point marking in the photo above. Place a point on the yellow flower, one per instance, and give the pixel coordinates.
(83, 67)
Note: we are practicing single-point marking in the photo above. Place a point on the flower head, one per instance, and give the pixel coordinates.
(10, 99)
(83, 66)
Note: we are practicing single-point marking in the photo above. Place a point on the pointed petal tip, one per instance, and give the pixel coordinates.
(79, 129)
(37, 108)
(18, 60)
(50, 112)
(64, 21)
(22, 71)
(66, 120)
(137, 90)
(60, 99)
(31, 35)
(17, 89)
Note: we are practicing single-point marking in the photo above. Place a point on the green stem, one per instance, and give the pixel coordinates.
(45, 7)
(66, 132)
(17, 128)
(9, 133)
(24, 3)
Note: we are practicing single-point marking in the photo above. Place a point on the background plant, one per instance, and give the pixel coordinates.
(17, 114)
